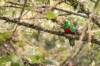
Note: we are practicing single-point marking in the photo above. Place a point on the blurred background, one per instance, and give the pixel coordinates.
(32, 34)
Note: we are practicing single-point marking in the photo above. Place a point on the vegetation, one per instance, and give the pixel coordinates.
(32, 33)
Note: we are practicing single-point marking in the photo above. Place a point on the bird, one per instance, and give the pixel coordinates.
(70, 27)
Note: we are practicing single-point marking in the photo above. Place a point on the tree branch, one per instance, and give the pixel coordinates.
(71, 12)
(94, 19)
(94, 40)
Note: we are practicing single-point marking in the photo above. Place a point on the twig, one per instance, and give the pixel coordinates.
(94, 19)
(71, 12)
(21, 13)
(93, 1)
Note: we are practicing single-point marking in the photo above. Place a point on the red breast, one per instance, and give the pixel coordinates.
(67, 30)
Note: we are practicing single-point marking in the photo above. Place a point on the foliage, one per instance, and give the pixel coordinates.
(33, 32)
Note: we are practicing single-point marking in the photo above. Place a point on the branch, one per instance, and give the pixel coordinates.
(93, 1)
(21, 13)
(16, 4)
(94, 20)
(94, 40)
(35, 27)
(71, 12)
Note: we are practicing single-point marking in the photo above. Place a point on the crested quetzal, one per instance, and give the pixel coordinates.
(70, 27)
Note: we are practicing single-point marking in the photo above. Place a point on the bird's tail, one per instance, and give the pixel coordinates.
(72, 42)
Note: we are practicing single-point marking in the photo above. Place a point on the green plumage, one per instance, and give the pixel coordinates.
(66, 24)
(72, 28)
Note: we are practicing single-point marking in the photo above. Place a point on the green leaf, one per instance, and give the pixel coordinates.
(36, 58)
(4, 59)
(4, 36)
(15, 64)
(51, 15)
(75, 23)
(15, 60)
(62, 49)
